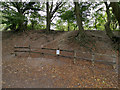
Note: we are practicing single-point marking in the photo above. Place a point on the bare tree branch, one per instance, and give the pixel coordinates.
(58, 5)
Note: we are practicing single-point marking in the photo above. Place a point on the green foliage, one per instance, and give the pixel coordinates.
(33, 18)
(68, 15)
(114, 23)
(15, 14)
(36, 27)
(13, 21)
(2, 26)
(97, 18)
(85, 10)
(100, 20)
(60, 25)
(37, 21)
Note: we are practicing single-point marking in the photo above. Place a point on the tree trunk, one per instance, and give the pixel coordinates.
(79, 19)
(119, 57)
(48, 24)
(107, 25)
(109, 31)
(74, 28)
(32, 25)
(48, 18)
(68, 26)
(116, 10)
(20, 27)
(95, 24)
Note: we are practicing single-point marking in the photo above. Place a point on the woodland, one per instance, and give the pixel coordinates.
(69, 25)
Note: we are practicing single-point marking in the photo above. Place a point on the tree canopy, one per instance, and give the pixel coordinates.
(18, 16)
(14, 14)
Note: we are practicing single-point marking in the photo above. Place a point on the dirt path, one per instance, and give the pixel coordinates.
(55, 73)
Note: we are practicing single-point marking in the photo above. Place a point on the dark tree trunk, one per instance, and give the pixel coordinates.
(50, 13)
(48, 24)
(48, 17)
(95, 24)
(79, 19)
(20, 27)
(116, 10)
(109, 31)
(32, 26)
(68, 26)
(74, 28)
(107, 25)
(48, 20)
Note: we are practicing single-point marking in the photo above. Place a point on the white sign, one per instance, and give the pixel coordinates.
(57, 52)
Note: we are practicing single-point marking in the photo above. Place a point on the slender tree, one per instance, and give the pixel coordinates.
(116, 10)
(69, 17)
(51, 9)
(109, 32)
(107, 24)
(79, 20)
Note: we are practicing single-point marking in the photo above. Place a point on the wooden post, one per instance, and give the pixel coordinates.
(93, 58)
(29, 50)
(14, 51)
(74, 57)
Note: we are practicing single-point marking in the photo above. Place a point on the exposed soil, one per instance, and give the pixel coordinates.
(45, 71)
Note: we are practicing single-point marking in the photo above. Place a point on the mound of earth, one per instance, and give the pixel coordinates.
(45, 71)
